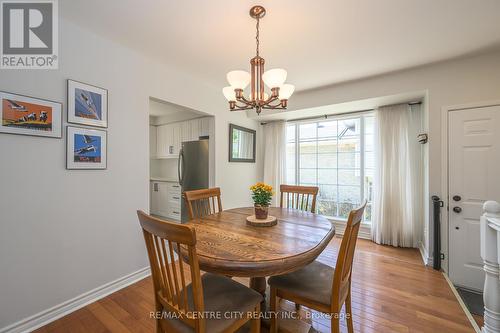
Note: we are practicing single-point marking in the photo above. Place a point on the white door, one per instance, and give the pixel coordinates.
(474, 177)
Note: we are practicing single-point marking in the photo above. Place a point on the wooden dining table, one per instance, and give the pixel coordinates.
(227, 245)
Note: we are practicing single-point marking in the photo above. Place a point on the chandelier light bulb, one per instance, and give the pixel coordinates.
(229, 93)
(238, 79)
(274, 78)
(286, 91)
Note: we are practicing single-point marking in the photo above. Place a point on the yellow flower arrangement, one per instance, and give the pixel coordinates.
(262, 193)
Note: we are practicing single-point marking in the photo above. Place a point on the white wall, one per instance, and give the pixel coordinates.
(472, 79)
(63, 233)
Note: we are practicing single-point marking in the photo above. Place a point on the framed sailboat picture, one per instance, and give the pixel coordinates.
(87, 104)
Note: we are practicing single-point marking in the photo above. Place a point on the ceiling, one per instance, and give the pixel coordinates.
(159, 108)
(318, 42)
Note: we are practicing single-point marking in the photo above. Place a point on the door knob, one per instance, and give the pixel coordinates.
(457, 198)
(457, 209)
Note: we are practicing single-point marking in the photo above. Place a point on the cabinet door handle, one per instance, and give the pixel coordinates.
(175, 212)
(177, 198)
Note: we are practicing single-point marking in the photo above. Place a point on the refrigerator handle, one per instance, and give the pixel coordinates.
(179, 162)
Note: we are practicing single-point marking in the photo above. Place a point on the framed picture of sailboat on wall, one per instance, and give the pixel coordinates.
(87, 104)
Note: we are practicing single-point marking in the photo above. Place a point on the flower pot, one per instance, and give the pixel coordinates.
(261, 212)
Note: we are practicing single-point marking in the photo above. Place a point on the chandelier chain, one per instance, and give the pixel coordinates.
(257, 36)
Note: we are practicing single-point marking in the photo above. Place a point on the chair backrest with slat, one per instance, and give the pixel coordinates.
(299, 197)
(343, 268)
(203, 202)
(162, 239)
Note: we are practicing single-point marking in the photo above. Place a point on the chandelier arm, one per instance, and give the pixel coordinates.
(244, 100)
(274, 107)
(245, 104)
(280, 105)
(269, 100)
(242, 107)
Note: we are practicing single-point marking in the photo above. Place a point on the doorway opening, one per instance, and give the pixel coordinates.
(174, 131)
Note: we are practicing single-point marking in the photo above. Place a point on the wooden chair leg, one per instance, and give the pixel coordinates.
(255, 322)
(158, 309)
(348, 313)
(335, 323)
(274, 311)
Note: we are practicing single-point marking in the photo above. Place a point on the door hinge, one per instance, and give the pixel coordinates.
(442, 256)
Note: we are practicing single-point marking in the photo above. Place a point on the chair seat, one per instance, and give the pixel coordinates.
(313, 282)
(221, 294)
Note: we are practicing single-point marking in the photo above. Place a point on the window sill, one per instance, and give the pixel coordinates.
(340, 224)
(340, 220)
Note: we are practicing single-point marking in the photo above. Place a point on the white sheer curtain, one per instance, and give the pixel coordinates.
(397, 202)
(275, 156)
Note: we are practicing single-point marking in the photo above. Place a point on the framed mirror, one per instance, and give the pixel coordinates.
(241, 144)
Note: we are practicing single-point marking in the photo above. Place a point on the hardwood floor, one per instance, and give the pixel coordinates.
(392, 292)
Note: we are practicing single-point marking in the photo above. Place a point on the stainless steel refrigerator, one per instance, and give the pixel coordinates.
(192, 169)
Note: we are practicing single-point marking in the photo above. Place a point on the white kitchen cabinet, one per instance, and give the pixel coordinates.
(190, 130)
(152, 141)
(185, 131)
(176, 139)
(159, 198)
(168, 141)
(166, 199)
(195, 129)
(164, 141)
(205, 126)
(169, 137)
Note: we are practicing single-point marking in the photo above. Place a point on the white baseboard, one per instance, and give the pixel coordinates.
(462, 304)
(426, 258)
(43, 318)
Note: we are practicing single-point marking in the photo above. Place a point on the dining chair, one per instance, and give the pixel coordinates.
(319, 286)
(298, 197)
(181, 306)
(203, 202)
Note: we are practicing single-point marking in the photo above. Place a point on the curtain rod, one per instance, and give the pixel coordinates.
(326, 116)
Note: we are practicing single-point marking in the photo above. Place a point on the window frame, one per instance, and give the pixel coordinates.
(361, 115)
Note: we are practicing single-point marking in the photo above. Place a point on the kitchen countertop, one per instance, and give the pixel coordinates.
(167, 180)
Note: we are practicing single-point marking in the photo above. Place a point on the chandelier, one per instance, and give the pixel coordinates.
(274, 79)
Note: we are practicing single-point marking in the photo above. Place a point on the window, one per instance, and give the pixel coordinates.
(337, 156)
